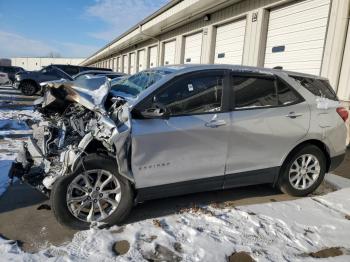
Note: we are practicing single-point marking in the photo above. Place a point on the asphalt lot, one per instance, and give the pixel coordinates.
(25, 214)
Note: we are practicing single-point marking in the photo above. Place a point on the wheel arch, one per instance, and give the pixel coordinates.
(318, 143)
(94, 146)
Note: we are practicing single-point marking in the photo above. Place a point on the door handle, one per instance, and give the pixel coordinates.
(293, 115)
(215, 123)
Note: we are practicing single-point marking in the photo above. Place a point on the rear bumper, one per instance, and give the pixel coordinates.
(336, 161)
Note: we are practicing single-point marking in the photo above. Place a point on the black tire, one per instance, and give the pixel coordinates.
(59, 193)
(28, 88)
(284, 182)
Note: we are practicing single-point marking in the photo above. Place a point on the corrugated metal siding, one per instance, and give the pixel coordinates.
(300, 30)
(229, 43)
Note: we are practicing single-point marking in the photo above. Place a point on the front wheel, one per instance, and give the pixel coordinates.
(303, 172)
(28, 88)
(95, 192)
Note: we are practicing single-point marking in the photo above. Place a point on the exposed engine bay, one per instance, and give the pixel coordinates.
(78, 117)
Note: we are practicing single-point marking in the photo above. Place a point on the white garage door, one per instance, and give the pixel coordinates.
(132, 63)
(153, 56)
(125, 64)
(141, 60)
(169, 53)
(119, 64)
(230, 42)
(296, 36)
(193, 48)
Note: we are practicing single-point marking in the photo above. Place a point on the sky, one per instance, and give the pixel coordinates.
(70, 28)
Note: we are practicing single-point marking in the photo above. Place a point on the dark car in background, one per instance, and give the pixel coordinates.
(28, 82)
(11, 71)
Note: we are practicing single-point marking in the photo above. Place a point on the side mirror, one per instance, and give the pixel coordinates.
(156, 111)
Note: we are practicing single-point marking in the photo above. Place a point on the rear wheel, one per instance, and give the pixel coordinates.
(28, 88)
(303, 172)
(95, 192)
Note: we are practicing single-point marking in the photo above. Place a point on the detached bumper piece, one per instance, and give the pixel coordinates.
(29, 166)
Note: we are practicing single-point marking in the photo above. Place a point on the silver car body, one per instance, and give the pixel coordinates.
(249, 148)
(215, 150)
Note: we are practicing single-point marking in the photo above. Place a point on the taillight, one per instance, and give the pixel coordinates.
(2, 75)
(343, 113)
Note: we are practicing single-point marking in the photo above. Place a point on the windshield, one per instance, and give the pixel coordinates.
(135, 84)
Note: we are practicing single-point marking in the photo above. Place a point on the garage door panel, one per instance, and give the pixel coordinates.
(303, 17)
(193, 48)
(296, 36)
(297, 56)
(229, 43)
(125, 64)
(318, 43)
(230, 27)
(132, 69)
(302, 26)
(169, 53)
(153, 56)
(302, 6)
(141, 60)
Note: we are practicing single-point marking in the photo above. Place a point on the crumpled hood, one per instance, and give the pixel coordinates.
(91, 93)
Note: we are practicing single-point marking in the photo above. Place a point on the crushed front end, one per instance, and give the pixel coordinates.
(75, 121)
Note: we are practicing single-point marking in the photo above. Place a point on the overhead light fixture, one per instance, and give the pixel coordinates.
(206, 17)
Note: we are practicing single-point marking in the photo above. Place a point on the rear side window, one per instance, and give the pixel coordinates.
(253, 92)
(286, 95)
(318, 87)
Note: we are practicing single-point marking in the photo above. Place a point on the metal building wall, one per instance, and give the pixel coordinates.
(256, 13)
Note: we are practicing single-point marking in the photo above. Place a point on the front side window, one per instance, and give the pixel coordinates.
(254, 92)
(193, 95)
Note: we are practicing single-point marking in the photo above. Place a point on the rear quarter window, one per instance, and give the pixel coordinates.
(318, 87)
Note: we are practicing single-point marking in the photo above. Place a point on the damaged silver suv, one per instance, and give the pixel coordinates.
(178, 130)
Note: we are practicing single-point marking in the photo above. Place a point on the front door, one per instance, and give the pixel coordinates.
(190, 146)
(268, 119)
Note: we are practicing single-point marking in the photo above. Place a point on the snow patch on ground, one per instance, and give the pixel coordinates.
(283, 231)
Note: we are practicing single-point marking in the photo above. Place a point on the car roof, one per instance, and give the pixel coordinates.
(186, 68)
(99, 72)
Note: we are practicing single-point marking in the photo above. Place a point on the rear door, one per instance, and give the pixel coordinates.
(268, 119)
(191, 145)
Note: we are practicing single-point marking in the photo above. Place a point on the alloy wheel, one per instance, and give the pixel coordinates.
(304, 172)
(93, 195)
(28, 89)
